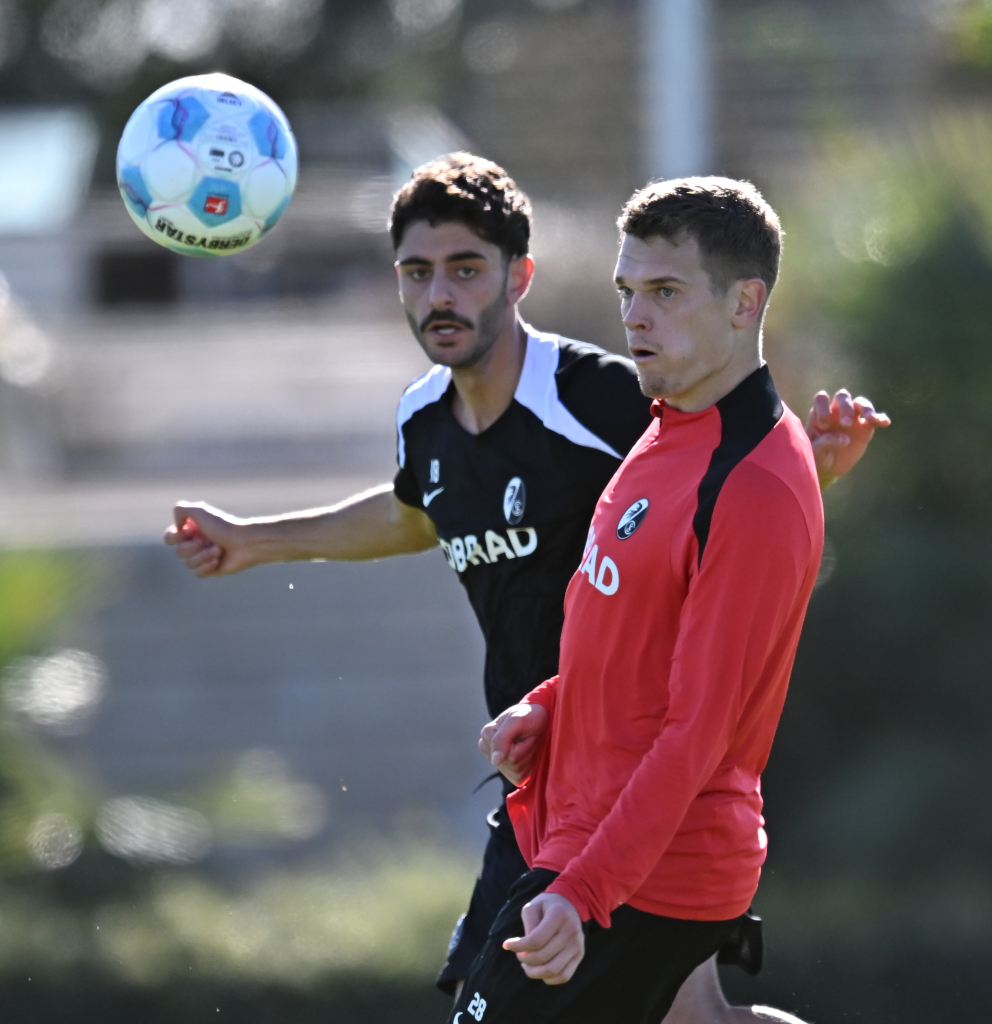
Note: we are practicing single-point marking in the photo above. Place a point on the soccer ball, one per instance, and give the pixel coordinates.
(207, 165)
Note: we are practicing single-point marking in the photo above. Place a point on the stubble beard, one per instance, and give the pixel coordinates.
(487, 328)
(653, 385)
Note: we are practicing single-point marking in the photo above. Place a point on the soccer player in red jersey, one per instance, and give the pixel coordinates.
(639, 804)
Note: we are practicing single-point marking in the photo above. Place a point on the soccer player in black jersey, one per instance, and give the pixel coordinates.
(503, 449)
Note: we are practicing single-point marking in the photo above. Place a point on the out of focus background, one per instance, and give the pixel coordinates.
(252, 799)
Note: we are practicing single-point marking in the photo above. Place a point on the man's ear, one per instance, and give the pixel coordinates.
(519, 274)
(750, 296)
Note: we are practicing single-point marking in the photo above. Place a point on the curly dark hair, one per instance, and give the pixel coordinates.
(739, 235)
(469, 190)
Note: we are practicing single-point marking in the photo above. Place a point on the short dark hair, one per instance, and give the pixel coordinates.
(739, 235)
(469, 190)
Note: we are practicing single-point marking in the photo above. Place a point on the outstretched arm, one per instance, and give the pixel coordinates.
(840, 430)
(373, 524)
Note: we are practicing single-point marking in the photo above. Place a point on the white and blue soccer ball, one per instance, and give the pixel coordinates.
(207, 165)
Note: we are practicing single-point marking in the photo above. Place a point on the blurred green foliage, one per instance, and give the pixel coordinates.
(355, 940)
(969, 26)
(37, 588)
(34, 783)
(383, 910)
(110, 936)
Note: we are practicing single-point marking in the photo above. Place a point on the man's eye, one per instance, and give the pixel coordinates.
(466, 272)
(418, 273)
(625, 293)
(666, 292)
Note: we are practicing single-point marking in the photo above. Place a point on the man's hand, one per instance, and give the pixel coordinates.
(839, 431)
(210, 542)
(554, 943)
(512, 741)
(373, 524)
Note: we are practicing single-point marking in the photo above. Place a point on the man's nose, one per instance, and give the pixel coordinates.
(440, 294)
(636, 316)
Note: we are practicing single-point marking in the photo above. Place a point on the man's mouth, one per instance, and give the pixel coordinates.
(445, 327)
(639, 354)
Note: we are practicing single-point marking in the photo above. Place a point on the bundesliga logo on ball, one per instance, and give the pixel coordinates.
(207, 165)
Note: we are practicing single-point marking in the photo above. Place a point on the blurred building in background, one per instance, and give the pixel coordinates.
(558, 91)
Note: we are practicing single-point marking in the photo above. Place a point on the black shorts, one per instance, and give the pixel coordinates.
(502, 865)
(630, 974)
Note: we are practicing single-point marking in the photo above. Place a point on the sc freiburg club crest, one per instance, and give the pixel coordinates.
(514, 501)
(632, 518)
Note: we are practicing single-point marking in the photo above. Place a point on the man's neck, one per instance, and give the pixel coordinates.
(484, 392)
(710, 390)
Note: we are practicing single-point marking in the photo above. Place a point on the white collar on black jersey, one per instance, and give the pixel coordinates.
(421, 393)
(536, 390)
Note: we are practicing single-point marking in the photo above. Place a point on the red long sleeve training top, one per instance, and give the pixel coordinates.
(681, 627)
